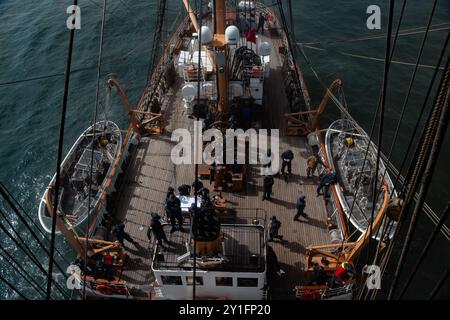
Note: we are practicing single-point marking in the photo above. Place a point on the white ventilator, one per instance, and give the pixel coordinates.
(264, 49)
(188, 92)
(207, 35)
(232, 36)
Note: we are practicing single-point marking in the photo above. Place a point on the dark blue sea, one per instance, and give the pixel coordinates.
(33, 43)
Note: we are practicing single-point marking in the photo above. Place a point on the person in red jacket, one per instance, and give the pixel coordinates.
(251, 35)
(343, 273)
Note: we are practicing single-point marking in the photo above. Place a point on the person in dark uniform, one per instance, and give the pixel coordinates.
(157, 229)
(268, 183)
(287, 157)
(212, 171)
(155, 106)
(274, 228)
(320, 276)
(170, 192)
(119, 231)
(197, 186)
(232, 122)
(261, 21)
(173, 212)
(300, 206)
(269, 156)
(325, 183)
(184, 190)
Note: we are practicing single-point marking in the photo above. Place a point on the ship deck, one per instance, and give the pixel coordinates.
(151, 172)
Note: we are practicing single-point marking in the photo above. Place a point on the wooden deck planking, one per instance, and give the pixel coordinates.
(151, 172)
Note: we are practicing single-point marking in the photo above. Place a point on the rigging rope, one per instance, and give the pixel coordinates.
(388, 60)
(388, 253)
(21, 271)
(404, 109)
(405, 32)
(26, 247)
(6, 194)
(12, 287)
(425, 250)
(291, 19)
(381, 123)
(334, 99)
(432, 216)
(430, 88)
(97, 93)
(60, 74)
(157, 37)
(29, 254)
(59, 159)
(288, 37)
(427, 66)
(27, 226)
(196, 212)
(434, 137)
(439, 284)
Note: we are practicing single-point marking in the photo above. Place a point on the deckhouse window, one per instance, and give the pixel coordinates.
(171, 280)
(247, 282)
(198, 281)
(224, 281)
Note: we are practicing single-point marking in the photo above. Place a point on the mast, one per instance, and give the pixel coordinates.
(218, 54)
(221, 55)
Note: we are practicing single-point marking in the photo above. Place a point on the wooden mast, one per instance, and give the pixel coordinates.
(220, 50)
(219, 44)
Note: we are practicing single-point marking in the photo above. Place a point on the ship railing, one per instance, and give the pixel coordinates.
(253, 216)
(156, 292)
(238, 216)
(341, 291)
(157, 76)
(323, 292)
(265, 295)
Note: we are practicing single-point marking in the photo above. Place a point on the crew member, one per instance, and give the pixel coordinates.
(320, 276)
(261, 21)
(343, 273)
(274, 228)
(157, 229)
(173, 212)
(300, 206)
(170, 192)
(119, 231)
(184, 190)
(312, 163)
(287, 157)
(325, 182)
(212, 172)
(268, 183)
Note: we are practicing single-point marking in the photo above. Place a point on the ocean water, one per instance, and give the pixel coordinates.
(33, 42)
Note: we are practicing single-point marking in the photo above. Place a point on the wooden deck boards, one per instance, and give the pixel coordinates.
(151, 172)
